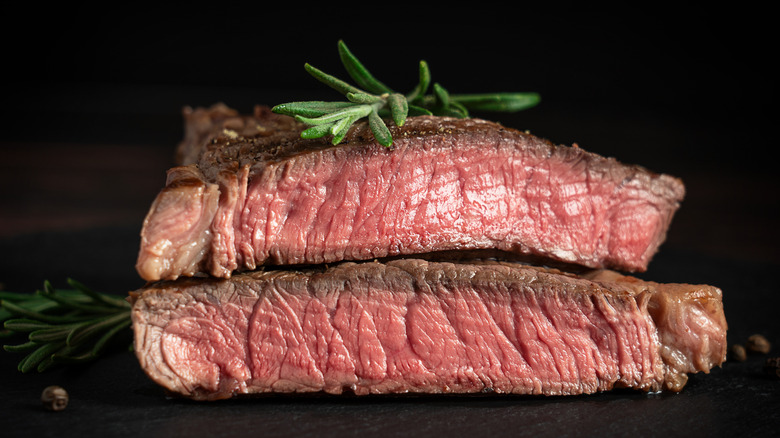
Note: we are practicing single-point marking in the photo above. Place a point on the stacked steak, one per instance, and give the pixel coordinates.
(469, 257)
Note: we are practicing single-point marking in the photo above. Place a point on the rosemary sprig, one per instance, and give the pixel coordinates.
(62, 325)
(375, 100)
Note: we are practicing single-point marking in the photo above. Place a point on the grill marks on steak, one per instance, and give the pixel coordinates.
(448, 185)
(416, 326)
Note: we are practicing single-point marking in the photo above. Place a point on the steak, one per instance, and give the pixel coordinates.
(416, 326)
(251, 192)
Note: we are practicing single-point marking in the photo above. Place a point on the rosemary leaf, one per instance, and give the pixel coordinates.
(109, 334)
(351, 111)
(331, 81)
(310, 108)
(69, 358)
(68, 354)
(317, 131)
(424, 81)
(26, 302)
(98, 297)
(458, 109)
(25, 325)
(45, 364)
(415, 110)
(55, 333)
(29, 345)
(48, 287)
(506, 102)
(85, 331)
(31, 361)
(359, 73)
(339, 135)
(79, 305)
(363, 98)
(74, 355)
(21, 310)
(441, 95)
(339, 129)
(380, 129)
(399, 108)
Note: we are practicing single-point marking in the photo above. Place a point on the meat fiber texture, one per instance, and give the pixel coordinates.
(251, 192)
(415, 326)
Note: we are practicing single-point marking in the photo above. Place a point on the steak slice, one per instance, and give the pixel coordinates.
(414, 326)
(446, 185)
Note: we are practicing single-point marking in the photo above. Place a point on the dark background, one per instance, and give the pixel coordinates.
(92, 100)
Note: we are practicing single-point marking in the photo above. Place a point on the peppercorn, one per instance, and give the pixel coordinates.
(772, 366)
(758, 344)
(54, 398)
(738, 353)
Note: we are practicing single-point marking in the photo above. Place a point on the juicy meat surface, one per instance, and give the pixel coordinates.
(414, 326)
(242, 200)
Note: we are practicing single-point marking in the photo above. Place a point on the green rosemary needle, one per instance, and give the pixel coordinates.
(62, 325)
(373, 99)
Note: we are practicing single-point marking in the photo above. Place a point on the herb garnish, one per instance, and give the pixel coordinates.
(375, 100)
(62, 326)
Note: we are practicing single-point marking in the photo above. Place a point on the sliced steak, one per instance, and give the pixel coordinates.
(413, 326)
(447, 185)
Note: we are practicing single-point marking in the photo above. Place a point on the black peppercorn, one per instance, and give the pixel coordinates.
(738, 353)
(54, 398)
(758, 344)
